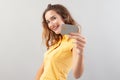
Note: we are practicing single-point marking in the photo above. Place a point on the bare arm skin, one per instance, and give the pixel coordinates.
(39, 73)
(78, 54)
(78, 64)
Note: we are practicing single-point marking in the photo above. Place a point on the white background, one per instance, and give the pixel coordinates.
(21, 49)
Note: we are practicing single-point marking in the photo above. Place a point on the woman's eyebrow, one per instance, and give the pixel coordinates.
(50, 18)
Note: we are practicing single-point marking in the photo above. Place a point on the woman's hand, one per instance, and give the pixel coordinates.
(78, 51)
(79, 42)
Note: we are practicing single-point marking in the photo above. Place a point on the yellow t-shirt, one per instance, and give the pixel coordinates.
(58, 60)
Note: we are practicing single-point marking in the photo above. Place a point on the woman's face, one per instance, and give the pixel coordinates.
(54, 21)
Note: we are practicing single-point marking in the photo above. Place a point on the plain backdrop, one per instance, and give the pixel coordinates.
(21, 47)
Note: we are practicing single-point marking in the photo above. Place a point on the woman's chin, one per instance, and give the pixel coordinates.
(57, 32)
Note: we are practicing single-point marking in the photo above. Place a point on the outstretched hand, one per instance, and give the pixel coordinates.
(79, 41)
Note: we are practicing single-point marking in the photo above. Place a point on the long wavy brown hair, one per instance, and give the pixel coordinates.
(48, 35)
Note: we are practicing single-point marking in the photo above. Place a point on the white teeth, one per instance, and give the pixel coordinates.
(55, 28)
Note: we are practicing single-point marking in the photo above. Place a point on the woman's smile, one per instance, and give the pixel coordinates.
(56, 29)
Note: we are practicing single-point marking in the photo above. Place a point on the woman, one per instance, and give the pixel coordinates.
(64, 52)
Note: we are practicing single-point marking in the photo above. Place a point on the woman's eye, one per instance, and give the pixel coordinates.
(53, 17)
(47, 22)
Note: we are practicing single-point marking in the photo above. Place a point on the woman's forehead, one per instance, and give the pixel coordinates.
(49, 14)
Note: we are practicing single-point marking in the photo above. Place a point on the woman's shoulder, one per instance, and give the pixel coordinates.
(67, 38)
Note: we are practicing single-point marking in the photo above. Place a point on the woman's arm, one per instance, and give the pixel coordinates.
(78, 54)
(78, 63)
(39, 73)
